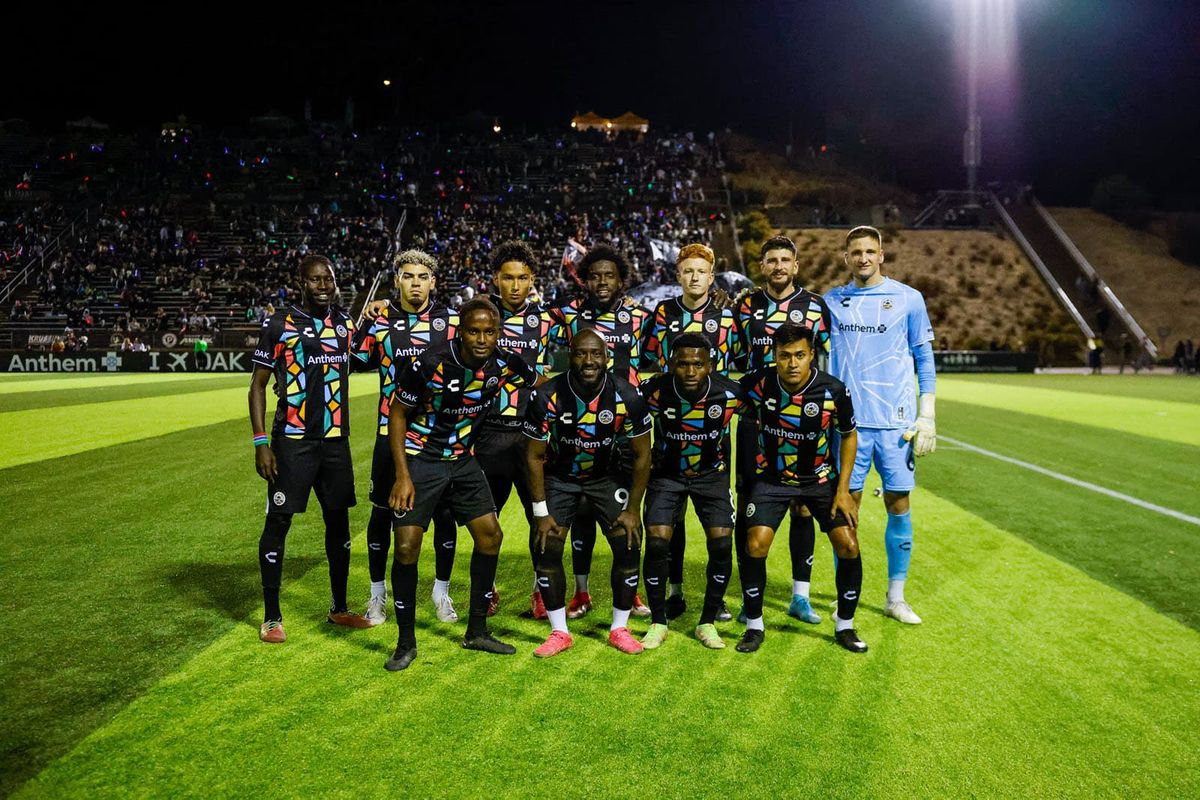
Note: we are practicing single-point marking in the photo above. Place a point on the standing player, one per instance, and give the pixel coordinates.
(883, 329)
(573, 422)
(695, 311)
(621, 322)
(307, 350)
(524, 332)
(399, 333)
(431, 430)
(759, 317)
(798, 408)
(691, 407)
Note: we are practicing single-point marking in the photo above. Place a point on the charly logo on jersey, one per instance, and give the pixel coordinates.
(492, 381)
(531, 321)
(623, 316)
(711, 326)
(811, 409)
(341, 330)
(439, 324)
(714, 412)
(278, 498)
(796, 316)
(605, 417)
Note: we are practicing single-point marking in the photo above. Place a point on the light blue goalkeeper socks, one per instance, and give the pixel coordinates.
(898, 539)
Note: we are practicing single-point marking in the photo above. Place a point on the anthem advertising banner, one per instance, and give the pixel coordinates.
(116, 361)
(983, 361)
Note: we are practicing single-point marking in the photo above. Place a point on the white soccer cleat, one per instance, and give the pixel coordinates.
(445, 609)
(902, 611)
(376, 610)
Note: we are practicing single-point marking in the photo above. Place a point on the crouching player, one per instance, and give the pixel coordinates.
(572, 423)
(691, 407)
(796, 408)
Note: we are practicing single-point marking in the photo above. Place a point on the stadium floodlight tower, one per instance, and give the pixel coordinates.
(972, 138)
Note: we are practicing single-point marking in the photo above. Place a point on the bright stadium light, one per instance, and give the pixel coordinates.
(986, 42)
(387, 82)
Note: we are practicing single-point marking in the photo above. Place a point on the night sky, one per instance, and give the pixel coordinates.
(1099, 87)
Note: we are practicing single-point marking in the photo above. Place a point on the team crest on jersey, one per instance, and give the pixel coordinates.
(531, 321)
(811, 409)
(278, 498)
(623, 316)
(439, 324)
(711, 326)
(341, 330)
(750, 509)
(796, 316)
(887, 304)
(605, 417)
(714, 412)
(492, 381)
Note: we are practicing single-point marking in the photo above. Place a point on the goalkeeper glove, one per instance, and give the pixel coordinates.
(923, 433)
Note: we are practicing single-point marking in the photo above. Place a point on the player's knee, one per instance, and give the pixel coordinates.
(657, 547)
(845, 543)
(720, 549)
(408, 547)
(276, 525)
(487, 536)
(896, 502)
(758, 542)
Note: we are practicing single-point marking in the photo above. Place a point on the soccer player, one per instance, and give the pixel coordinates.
(691, 407)
(431, 428)
(882, 331)
(307, 350)
(798, 408)
(524, 332)
(695, 311)
(620, 322)
(401, 330)
(573, 422)
(759, 317)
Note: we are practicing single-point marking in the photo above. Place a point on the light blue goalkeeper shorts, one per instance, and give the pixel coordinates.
(891, 455)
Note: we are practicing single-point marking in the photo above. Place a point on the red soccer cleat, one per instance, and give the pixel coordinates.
(558, 641)
(494, 603)
(639, 609)
(623, 640)
(579, 606)
(349, 619)
(272, 632)
(537, 608)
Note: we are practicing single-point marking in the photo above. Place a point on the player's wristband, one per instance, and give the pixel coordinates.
(260, 439)
(540, 509)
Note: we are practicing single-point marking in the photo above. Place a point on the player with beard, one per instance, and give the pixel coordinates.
(307, 350)
(691, 407)
(431, 430)
(572, 423)
(695, 311)
(798, 408)
(621, 323)
(759, 316)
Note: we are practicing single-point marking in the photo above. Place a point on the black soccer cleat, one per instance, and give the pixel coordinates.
(487, 643)
(751, 640)
(723, 614)
(400, 659)
(676, 606)
(848, 639)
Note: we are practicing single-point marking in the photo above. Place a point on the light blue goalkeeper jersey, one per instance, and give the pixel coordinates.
(875, 331)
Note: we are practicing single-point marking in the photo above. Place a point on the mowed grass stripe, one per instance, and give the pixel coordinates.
(1160, 385)
(102, 393)
(1006, 690)
(45, 433)
(1170, 421)
(41, 382)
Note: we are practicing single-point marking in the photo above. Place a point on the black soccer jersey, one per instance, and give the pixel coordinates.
(621, 326)
(311, 360)
(794, 429)
(448, 398)
(395, 338)
(582, 429)
(760, 315)
(525, 333)
(691, 437)
(672, 317)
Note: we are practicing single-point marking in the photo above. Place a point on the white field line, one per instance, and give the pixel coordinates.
(1133, 501)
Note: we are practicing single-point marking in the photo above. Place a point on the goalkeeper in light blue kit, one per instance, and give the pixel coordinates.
(880, 331)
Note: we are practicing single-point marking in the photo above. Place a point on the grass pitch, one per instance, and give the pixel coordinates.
(1058, 656)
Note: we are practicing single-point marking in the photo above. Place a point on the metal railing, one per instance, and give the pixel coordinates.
(37, 263)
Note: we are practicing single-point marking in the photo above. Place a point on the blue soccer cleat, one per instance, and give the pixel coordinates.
(802, 609)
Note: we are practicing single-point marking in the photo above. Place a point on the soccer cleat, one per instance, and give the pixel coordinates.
(655, 636)
(751, 640)
(486, 643)
(348, 619)
(723, 614)
(404, 655)
(676, 606)
(708, 636)
(494, 603)
(537, 607)
(579, 606)
(271, 632)
(555, 644)
(849, 639)
(902, 611)
(623, 640)
(376, 610)
(802, 609)
(445, 609)
(639, 609)
(741, 617)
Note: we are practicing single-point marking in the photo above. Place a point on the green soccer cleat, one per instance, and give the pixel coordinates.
(709, 637)
(655, 636)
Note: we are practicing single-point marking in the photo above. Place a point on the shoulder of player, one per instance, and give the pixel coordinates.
(721, 383)
(755, 377)
(623, 388)
(823, 380)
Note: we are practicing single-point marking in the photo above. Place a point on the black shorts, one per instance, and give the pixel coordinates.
(606, 496)
(308, 464)
(746, 455)
(666, 499)
(769, 504)
(457, 484)
(500, 441)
